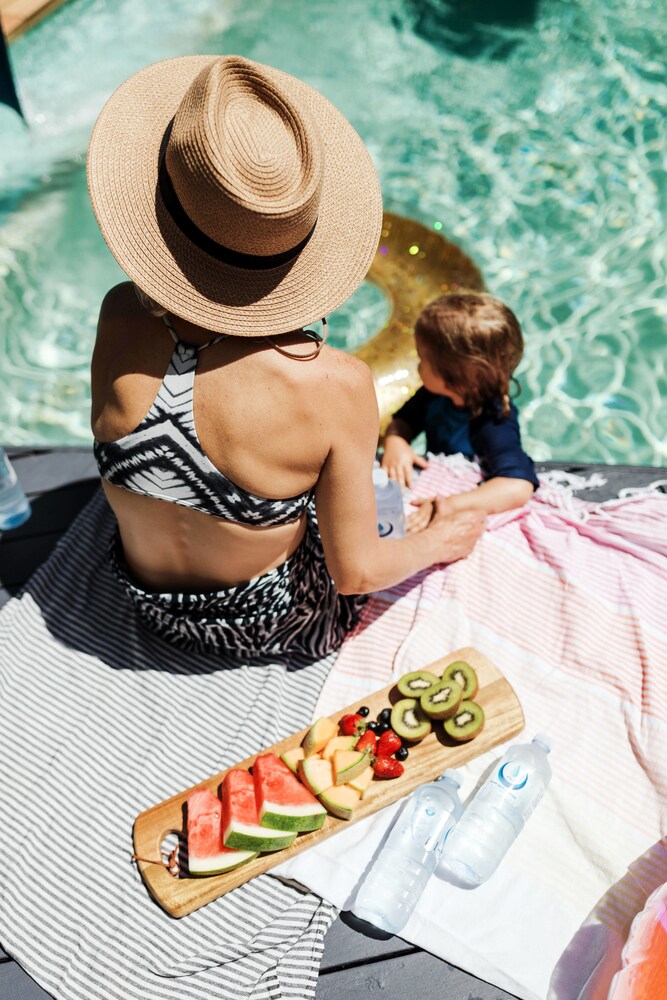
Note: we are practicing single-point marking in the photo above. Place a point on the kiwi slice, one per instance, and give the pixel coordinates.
(442, 700)
(463, 674)
(408, 721)
(467, 721)
(415, 684)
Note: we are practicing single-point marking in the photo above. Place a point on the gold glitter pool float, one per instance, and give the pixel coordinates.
(413, 265)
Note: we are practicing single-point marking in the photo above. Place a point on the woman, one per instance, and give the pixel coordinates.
(244, 207)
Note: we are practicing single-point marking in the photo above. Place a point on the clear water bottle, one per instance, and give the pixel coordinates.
(389, 502)
(390, 891)
(497, 814)
(14, 504)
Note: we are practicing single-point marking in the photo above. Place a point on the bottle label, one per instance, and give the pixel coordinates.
(385, 529)
(512, 775)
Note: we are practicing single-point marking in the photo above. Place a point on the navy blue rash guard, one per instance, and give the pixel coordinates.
(494, 439)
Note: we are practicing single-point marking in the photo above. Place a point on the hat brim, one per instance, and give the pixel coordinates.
(123, 159)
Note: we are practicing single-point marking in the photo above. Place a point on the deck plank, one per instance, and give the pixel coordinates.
(15, 984)
(346, 945)
(404, 977)
(45, 469)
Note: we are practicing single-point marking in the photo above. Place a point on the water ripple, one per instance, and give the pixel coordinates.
(535, 136)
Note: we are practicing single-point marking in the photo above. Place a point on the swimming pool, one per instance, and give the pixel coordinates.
(537, 142)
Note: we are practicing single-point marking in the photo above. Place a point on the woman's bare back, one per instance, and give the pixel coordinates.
(265, 420)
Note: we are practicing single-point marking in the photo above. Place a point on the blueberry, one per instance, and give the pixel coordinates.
(363, 711)
(383, 727)
(401, 754)
(384, 715)
(373, 726)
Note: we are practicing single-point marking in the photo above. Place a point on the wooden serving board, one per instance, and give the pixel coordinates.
(427, 760)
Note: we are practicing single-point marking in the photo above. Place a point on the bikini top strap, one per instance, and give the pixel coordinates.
(177, 339)
(214, 340)
(167, 323)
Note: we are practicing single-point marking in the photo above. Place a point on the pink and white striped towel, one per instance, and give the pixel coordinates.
(569, 599)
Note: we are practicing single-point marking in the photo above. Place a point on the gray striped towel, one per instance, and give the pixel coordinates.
(99, 720)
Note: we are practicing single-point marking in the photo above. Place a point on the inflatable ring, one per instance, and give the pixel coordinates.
(413, 265)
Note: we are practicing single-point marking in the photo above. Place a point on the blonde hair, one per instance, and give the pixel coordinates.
(476, 343)
(150, 305)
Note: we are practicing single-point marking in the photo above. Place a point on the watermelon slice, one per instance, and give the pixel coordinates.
(206, 854)
(240, 822)
(282, 801)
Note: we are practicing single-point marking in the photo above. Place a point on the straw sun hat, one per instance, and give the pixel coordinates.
(234, 194)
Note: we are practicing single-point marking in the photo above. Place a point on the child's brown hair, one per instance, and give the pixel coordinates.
(475, 342)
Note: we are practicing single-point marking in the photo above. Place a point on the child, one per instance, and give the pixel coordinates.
(468, 347)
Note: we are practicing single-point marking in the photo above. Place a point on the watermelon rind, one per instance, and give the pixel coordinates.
(252, 837)
(300, 818)
(226, 861)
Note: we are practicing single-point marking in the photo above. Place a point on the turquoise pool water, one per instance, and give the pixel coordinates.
(537, 141)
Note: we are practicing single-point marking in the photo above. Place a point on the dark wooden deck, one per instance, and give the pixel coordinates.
(59, 482)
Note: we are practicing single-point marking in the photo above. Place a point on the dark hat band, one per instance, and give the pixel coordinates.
(251, 262)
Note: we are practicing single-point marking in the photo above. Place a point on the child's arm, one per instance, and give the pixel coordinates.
(510, 477)
(492, 497)
(399, 457)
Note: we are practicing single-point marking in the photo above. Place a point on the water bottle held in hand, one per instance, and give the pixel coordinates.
(389, 502)
(392, 887)
(498, 812)
(14, 504)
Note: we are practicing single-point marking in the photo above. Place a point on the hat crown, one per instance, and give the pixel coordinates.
(245, 162)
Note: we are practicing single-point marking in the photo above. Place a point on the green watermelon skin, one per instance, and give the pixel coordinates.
(240, 823)
(283, 802)
(206, 853)
(301, 824)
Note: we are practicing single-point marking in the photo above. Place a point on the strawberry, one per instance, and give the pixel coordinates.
(388, 744)
(366, 742)
(352, 725)
(387, 767)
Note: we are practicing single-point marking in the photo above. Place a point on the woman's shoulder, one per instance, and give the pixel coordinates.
(119, 300)
(344, 370)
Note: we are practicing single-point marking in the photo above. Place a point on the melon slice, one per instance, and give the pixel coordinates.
(316, 774)
(338, 743)
(292, 757)
(282, 801)
(340, 800)
(318, 736)
(206, 853)
(347, 764)
(362, 781)
(240, 822)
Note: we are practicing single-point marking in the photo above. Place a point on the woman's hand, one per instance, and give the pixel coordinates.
(455, 533)
(420, 519)
(399, 458)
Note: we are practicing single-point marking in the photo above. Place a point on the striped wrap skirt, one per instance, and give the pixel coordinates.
(293, 610)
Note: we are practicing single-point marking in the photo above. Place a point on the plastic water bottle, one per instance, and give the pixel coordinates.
(390, 891)
(389, 502)
(497, 814)
(14, 504)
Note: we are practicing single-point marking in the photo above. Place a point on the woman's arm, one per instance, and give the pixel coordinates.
(359, 561)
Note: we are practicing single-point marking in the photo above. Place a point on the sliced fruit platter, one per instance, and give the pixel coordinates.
(288, 797)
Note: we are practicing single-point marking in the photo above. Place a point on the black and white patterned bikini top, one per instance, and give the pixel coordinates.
(163, 458)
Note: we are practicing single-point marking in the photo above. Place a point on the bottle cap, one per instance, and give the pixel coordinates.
(453, 775)
(543, 741)
(380, 477)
